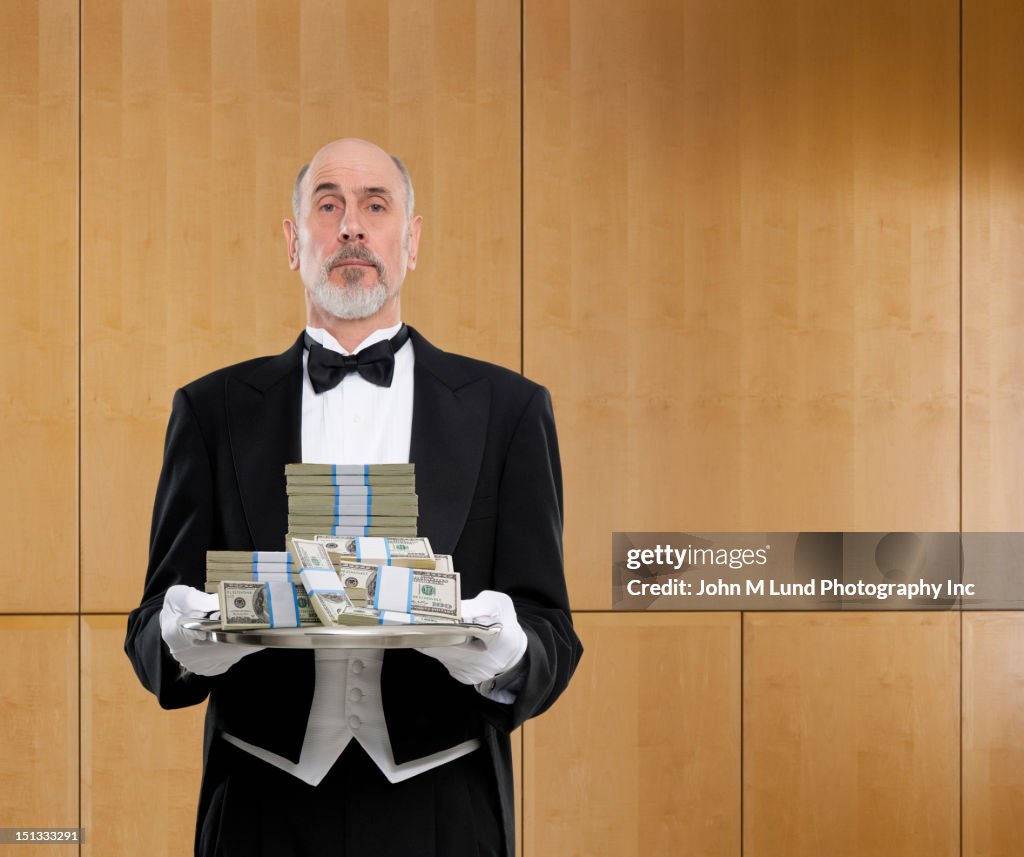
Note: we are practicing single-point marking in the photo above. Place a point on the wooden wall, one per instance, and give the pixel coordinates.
(768, 259)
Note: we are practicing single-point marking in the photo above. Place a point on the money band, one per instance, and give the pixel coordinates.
(283, 604)
(394, 589)
(352, 493)
(372, 549)
(272, 558)
(349, 530)
(262, 568)
(347, 519)
(393, 617)
(317, 580)
(347, 471)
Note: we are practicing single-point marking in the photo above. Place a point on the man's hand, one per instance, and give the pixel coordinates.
(195, 654)
(478, 661)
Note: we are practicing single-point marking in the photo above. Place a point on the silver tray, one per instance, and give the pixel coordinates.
(368, 637)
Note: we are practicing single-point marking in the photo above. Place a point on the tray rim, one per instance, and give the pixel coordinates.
(358, 637)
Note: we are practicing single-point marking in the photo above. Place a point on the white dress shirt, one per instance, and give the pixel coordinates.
(355, 423)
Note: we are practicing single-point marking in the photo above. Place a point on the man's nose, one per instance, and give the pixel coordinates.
(351, 229)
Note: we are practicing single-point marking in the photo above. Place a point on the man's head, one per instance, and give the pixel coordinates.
(354, 235)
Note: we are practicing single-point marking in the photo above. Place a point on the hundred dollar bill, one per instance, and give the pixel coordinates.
(307, 616)
(354, 575)
(405, 552)
(243, 604)
(310, 554)
(409, 590)
(326, 594)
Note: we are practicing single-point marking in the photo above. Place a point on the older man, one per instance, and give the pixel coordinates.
(360, 752)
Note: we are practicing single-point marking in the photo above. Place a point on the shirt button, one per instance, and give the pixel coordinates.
(354, 722)
(355, 694)
(357, 667)
(355, 418)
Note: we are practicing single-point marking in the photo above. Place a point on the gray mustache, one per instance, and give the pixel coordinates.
(355, 251)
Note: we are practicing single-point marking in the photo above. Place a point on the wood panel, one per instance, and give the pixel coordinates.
(642, 753)
(851, 735)
(993, 734)
(141, 765)
(39, 712)
(517, 778)
(39, 322)
(993, 317)
(740, 267)
(196, 118)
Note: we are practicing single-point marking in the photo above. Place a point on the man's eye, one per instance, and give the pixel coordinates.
(328, 207)
(376, 207)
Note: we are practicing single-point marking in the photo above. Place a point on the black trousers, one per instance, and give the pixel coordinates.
(259, 810)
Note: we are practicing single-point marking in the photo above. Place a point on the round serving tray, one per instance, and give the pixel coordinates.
(359, 637)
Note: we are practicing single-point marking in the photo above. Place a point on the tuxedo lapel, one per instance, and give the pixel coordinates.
(264, 407)
(449, 429)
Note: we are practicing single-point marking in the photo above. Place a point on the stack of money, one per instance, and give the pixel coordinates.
(351, 499)
(327, 594)
(404, 552)
(384, 589)
(258, 589)
(420, 591)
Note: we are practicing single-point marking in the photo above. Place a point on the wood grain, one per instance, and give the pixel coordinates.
(642, 753)
(39, 322)
(141, 765)
(196, 118)
(740, 265)
(851, 735)
(993, 734)
(39, 712)
(993, 317)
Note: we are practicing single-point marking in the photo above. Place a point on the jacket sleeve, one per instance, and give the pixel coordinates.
(528, 564)
(182, 520)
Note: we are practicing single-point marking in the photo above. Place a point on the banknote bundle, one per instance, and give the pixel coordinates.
(258, 589)
(420, 591)
(340, 589)
(351, 499)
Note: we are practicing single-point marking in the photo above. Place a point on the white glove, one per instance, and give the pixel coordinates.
(189, 648)
(477, 661)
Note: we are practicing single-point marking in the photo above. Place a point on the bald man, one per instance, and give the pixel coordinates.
(359, 752)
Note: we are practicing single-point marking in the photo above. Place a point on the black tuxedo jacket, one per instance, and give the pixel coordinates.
(489, 482)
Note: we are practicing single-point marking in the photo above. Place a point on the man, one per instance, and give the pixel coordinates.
(403, 752)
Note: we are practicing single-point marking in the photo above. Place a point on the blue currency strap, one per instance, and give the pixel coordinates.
(376, 592)
(295, 598)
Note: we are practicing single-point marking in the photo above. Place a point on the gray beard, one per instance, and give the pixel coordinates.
(352, 299)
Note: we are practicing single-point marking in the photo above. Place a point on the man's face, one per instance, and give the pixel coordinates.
(354, 242)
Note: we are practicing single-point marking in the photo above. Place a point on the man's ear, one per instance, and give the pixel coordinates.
(291, 238)
(414, 240)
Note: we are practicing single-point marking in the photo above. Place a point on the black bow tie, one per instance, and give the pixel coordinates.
(375, 363)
